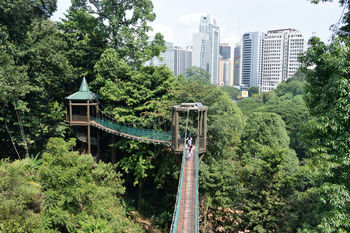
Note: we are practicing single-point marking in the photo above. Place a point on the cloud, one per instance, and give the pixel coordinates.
(165, 30)
(191, 19)
(231, 39)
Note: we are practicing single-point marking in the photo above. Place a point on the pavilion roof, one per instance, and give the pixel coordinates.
(84, 93)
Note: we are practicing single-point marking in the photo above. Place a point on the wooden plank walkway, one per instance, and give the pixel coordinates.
(186, 222)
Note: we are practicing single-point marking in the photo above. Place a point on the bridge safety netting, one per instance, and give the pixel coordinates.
(162, 136)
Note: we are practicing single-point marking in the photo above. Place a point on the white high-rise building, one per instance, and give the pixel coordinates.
(280, 57)
(252, 55)
(182, 60)
(166, 58)
(206, 44)
(200, 50)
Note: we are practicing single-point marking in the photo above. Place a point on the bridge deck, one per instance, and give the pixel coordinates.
(186, 223)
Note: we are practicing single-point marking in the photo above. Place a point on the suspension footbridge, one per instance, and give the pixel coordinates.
(82, 110)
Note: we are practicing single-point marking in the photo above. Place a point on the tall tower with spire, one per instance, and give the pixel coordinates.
(206, 47)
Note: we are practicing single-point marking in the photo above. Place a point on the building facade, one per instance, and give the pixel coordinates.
(201, 50)
(252, 55)
(182, 60)
(237, 66)
(280, 57)
(225, 50)
(205, 53)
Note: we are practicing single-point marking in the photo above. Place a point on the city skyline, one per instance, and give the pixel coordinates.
(236, 17)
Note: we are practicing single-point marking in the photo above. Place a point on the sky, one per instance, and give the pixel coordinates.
(177, 20)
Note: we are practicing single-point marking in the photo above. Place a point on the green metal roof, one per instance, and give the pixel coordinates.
(84, 93)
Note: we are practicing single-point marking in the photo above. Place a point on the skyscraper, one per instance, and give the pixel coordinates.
(252, 54)
(225, 50)
(205, 53)
(200, 50)
(182, 60)
(280, 60)
(237, 66)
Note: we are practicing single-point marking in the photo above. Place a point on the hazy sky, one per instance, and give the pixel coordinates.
(178, 19)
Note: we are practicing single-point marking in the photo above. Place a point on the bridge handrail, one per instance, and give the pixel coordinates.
(176, 213)
(173, 227)
(196, 226)
(137, 132)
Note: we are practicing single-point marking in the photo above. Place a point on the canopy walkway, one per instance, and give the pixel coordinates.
(82, 111)
(185, 218)
(153, 136)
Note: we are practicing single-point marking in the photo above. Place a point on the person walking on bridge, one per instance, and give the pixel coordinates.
(190, 152)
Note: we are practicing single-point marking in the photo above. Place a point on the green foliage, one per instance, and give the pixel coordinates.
(252, 91)
(287, 101)
(134, 96)
(267, 187)
(16, 17)
(80, 192)
(46, 77)
(85, 41)
(231, 91)
(123, 24)
(266, 129)
(197, 74)
(21, 199)
(66, 193)
(327, 98)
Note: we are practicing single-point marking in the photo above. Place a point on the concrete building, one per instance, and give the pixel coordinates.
(182, 60)
(231, 71)
(237, 66)
(201, 50)
(252, 55)
(225, 50)
(280, 57)
(225, 72)
(205, 53)
(165, 58)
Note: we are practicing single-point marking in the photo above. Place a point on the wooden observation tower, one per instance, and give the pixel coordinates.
(176, 143)
(79, 112)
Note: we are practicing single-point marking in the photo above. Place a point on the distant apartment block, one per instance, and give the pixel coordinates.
(252, 55)
(182, 60)
(201, 50)
(165, 58)
(280, 57)
(225, 50)
(237, 66)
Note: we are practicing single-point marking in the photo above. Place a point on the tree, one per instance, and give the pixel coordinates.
(267, 183)
(266, 129)
(64, 192)
(197, 74)
(287, 101)
(231, 91)
(16, 17)
(21, 199)
(123, 25)
(35, 110)
(327, 98)
(252, 91)
(85, 41)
